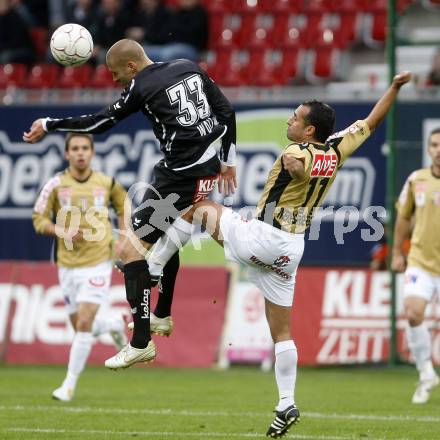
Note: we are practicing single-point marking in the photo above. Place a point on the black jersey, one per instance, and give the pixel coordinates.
(186, 108)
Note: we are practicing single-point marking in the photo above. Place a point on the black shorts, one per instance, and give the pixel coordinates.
(169, 194)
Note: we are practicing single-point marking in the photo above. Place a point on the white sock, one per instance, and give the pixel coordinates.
(176, 236)
(79, 352)
(105, 324)
(286, 358)
(419, 342)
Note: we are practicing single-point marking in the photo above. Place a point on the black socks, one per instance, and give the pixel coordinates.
(138, 288)
(166, 287)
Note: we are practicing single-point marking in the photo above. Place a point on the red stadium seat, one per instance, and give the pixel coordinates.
(375, 28)
(322, 65)
(259, 38)
(312, 28)
(216, 25)
(220, 5)
(101, 78)
(12, 75)
(256, 60)
(284, 34)
(318, 6)
(43, 76)
(225, 40)
(375, 5)
(270, 67)
(355, 5)
(347, 32)
(74, 77)
(290, 64)
(233, 76)
(281, 6)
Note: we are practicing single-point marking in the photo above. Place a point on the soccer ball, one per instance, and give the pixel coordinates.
(71, 44)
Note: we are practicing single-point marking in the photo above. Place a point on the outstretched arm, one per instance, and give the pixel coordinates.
(95, 123)
(382, 106)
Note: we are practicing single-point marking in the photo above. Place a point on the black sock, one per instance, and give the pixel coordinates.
(137, 289)
(166, 287)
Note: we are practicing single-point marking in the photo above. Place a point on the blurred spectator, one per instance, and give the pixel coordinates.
(39, 10)
(190, 25)
(189, 31)
(151, 25)
(434, 74)
(166, 35)
(23, 10)
(111, 25)
(57, 12)
(82, 12)
(15, 40)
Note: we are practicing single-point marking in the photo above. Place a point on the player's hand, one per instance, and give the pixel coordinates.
(227, 181)
(74, 236)
(294, 166)
(402, 78)
(398, 262)
(36, 132)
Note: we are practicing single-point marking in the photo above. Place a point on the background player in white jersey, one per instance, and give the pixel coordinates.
(73, 207)
(419, 203)
(272, 244)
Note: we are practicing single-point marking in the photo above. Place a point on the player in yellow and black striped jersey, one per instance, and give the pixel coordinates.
(288, 201)
(418, 216)
(297, 183)
(73, 208)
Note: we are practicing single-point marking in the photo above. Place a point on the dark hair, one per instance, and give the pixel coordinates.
(322, 117)
(73, 134)
(435, 131)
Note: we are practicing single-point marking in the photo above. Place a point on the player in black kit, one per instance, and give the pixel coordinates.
(188, 113)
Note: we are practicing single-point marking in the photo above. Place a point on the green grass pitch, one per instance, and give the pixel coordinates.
(206, 253)
(164, 403)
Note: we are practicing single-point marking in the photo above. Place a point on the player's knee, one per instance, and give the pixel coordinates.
(279, 330)
(84, 324)
(129, 251)
(413, 314)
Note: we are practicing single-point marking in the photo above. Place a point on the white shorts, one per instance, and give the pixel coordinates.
(85, 284)
(271, 255)
(420, 283)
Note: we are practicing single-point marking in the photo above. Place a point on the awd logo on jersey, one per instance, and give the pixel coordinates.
(324, 165)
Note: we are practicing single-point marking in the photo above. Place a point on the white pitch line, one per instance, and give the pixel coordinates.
(176, 434)
(186, 413)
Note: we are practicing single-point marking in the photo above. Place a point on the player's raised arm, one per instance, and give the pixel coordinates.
(382, 106)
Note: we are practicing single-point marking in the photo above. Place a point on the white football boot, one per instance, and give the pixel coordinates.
(158, 326)
(423, 390)
(63, 393)
(130, 355)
